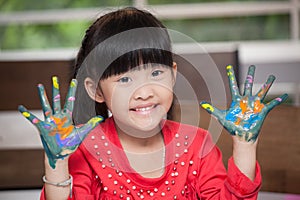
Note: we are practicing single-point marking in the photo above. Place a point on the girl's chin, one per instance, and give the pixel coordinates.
(140, 127)
(146, 121)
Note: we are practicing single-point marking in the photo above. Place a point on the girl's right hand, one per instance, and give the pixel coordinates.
(59, 136)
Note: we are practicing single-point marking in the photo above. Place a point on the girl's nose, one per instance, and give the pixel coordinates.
(144, 92)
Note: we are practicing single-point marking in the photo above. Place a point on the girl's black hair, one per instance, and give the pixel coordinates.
(115, 43)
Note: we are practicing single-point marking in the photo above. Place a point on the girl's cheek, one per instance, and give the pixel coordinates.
(119, 99)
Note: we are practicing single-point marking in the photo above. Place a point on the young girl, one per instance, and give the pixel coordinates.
(125, 70)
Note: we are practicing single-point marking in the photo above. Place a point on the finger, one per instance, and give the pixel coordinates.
(92, 123)
(28, 115)
(276, 102)
(44, 101)
(81, 132)
(249, 81)
(69, 105)
(212, 110)
(55, 95)
(42, 127)
(232, 82)
(95, 121)
(265, 88)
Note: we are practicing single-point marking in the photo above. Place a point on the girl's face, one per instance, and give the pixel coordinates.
(140, 98)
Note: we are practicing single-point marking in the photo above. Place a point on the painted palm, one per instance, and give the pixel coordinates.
(247, 112)
(59, 136)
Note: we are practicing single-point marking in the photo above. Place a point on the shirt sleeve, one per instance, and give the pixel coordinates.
(214, 183)
(84, 187)
(240, 184)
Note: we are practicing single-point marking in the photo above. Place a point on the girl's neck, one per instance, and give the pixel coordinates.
(134, 144)
(145, 155)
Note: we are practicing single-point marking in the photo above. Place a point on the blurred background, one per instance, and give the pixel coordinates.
(39, 39)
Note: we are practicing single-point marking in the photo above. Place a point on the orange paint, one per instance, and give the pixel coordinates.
(63, 131)
(263, 90)
(243, 105)
(244, 108)
(258, 106)
(238, 121)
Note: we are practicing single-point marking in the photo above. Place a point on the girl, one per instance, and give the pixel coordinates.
(125, 70)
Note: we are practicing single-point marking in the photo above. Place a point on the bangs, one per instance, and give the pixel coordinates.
(136, 47)
(142, 57)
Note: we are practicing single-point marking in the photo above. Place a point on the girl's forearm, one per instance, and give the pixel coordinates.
(244, 156)
(57, 175)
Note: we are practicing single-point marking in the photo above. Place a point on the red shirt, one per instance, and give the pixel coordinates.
(194, 168)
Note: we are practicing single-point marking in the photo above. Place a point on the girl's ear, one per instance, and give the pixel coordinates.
(93, 90)
(174, 68)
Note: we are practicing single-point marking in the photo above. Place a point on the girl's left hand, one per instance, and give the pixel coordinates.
(246, 114)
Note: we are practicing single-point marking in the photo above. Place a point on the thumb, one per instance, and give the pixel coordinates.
(212, 110)
(93, 122)
(28, 115)
(276, 102)
(89, 126)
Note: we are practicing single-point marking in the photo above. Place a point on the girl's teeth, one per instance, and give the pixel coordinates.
(143, 109)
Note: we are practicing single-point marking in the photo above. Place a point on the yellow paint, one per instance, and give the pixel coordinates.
(229, 73)
(55, 82)
(73, 83)
(208, 107)
(26, 114)
(95, 120)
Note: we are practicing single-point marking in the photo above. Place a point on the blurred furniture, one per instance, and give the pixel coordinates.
(21, 153)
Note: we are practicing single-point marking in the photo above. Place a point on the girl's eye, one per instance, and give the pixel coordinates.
(157, 73)
(124, 80)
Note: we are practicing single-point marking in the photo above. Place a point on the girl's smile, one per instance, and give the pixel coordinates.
(144, 109)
